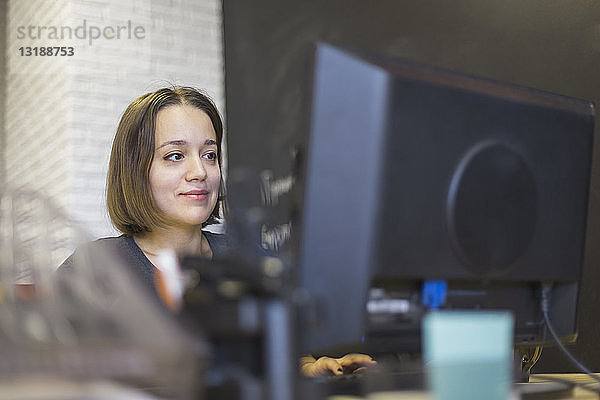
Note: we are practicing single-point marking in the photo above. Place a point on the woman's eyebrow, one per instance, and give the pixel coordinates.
(207, 142)
(172, 143)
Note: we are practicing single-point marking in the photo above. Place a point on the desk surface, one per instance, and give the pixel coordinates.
(578, 393)
(55, 389)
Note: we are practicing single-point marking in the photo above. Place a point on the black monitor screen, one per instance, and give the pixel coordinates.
(417, 176)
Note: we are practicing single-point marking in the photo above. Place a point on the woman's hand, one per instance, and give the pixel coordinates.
(349, 364)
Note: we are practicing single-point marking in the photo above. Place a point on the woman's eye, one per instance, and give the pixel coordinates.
(174, 157)
(210, 156)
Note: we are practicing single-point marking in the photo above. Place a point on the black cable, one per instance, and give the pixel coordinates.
(546, 294)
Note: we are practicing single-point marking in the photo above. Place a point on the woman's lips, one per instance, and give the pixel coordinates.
(196, 194)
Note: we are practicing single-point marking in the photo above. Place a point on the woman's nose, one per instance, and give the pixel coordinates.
(195, 169)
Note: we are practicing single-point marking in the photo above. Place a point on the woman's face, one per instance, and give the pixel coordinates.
(185, 173)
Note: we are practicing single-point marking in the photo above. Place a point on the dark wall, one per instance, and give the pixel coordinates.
(545, 44)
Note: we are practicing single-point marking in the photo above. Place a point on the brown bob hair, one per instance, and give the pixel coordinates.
(131, 206)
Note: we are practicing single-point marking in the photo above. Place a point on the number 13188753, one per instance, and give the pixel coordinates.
(47, 51)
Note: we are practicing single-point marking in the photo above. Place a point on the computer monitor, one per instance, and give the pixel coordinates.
(418, 177)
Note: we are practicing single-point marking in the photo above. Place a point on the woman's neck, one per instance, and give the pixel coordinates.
(182, 241)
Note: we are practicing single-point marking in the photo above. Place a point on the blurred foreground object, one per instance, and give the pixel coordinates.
(468, 354)
(96, 322)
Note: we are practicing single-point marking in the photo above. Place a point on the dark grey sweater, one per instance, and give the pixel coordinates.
(134, 257)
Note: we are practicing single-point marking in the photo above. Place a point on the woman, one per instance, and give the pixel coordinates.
(164, 179)
(164, 185)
